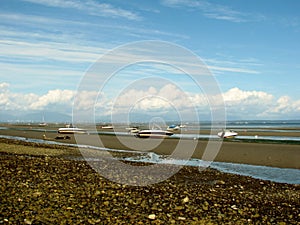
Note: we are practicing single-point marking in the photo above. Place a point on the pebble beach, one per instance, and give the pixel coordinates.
(40, 184)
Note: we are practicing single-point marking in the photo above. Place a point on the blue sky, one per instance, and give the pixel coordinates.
(251, 47)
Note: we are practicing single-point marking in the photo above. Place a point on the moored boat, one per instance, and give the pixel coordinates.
(71, 130)
(153, 134)
(227, 134)
(132, 130)
(173, 128)
(107, 127)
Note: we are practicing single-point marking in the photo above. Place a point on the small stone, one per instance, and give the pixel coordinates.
(220, 182)
(181, 218)
(106, 203)
(204, 207)
(152, 216)
(179, 207)
(282, 223)
(37, 194)
(256, 215)
(97, 193)
(186, 199)
(234, 207)
(27, 221)
(90, 221)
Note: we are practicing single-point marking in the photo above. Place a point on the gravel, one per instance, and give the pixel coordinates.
(39, 189)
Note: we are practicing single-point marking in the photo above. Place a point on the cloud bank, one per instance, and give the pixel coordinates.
(240, 104)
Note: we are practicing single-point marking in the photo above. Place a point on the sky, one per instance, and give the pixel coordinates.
(251, 49)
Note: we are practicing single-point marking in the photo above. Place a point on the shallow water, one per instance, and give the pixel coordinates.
(281, 175)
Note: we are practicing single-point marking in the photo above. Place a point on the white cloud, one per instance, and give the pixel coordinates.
(90, 7)
(285, 106)
(14, 101)
(54, 58)
(49, 62)
(210, 10)
(260, 105)
(53, 97)
(235, 96)
(246, 104)
(168, 97)
(228, 64)
(4, 87)
(214, 11)
(57, 100)
(232, 69)
(46, 28)
(49, 51)
(240, 104)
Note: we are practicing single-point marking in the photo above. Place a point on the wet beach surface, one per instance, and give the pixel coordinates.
(40, 185)
(265, 153)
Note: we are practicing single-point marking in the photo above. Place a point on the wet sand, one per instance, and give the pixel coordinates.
(39, 185)
(266, 154)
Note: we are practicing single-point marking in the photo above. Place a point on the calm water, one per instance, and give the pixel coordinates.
(281, 175)
(261, 125)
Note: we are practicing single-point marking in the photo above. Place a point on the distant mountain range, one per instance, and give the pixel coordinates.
(35, 117)
(55, 117)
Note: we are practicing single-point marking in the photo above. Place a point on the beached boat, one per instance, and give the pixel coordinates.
(43, 124)
(71, 130)
(227, 134)
(107, 127)
(132, 130)
(153, 134)
(173, 127)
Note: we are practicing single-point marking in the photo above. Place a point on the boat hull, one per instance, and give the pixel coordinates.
(153, 134)
(71, 131)
(227, 134)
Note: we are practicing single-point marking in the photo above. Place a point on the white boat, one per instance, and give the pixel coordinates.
(173, 127)
(153, 134)
(43, 124)
(71, 130)
(227, 134)
(107, 127)
(132, 130)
